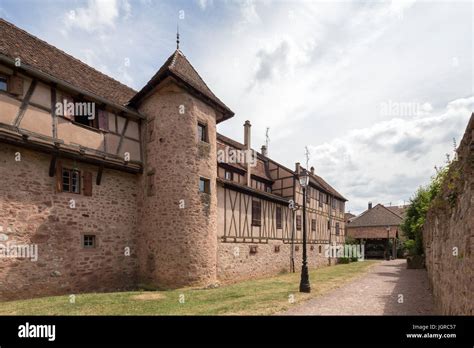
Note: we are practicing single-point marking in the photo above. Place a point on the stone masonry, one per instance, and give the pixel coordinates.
(448, 236)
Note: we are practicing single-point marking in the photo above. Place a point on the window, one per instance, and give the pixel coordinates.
(333, 203)
(3, 83)
(229, 175)
(268, 189)
(71, 181)
(204, 185)
(337, 228)
(256, 213)
(329, 225)
(202, 132)
(313, 224)
(88, 241)
(278, 217)
(308, 195)
(298, 222)
(321, 199)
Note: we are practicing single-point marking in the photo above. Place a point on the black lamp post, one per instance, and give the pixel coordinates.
(304, 284)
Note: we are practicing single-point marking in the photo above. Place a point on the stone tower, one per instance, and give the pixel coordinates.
(177, 237)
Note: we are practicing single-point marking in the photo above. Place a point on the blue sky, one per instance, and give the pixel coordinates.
(376, 90)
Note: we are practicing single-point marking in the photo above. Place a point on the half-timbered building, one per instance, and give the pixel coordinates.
(117, 187)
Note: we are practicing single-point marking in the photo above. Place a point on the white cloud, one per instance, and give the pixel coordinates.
(387, 161)
(203, 4)
(97, 15)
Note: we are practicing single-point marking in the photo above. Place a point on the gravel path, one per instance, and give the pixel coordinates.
(376, 293)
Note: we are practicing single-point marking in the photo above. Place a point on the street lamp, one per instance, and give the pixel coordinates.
(304, 283)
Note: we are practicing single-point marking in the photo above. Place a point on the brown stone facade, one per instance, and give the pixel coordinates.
(448, 236)
(239, 261)
(31, 212)
(178, 244)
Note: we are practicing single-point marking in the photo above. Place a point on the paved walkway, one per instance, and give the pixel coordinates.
(376, 293)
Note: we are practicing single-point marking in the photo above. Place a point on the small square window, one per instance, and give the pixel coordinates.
(88, 241)
(3, 83)
(229, 175)
(202, 132)
(71, 181)
(204, 185)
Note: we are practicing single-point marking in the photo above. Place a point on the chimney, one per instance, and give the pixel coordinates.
(247, 126)
(370, 205)
(264, 150)
(312, 170)
(297, 167)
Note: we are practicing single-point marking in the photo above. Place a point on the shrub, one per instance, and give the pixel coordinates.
(343, 260)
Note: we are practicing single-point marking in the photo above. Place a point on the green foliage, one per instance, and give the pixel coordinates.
(410, 246)
(423, 200)
(350, 240)
(343, 260)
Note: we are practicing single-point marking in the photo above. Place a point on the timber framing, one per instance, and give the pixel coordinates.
(10, 135)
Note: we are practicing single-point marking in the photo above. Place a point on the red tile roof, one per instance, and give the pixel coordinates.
(179, 67)
(38, 54)
(377, 216)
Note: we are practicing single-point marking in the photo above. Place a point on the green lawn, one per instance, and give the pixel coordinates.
(254, 297)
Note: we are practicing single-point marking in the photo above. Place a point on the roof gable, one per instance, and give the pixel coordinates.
(377, 216)
(180, 68)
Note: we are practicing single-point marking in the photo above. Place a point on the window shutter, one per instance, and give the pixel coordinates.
(15, 85)
(87, 183)
(59, 177)
(103, 120)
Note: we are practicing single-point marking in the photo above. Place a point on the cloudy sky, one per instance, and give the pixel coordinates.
(377, 90)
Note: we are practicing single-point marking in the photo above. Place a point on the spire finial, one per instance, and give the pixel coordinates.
(177, 36)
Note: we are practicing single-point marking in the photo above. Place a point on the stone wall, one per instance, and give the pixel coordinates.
(236, 261)
(448, 236)
(177, 222)
(31, 212)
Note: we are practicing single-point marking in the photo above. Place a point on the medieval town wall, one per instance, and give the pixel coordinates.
(448, 236)
(33, 213)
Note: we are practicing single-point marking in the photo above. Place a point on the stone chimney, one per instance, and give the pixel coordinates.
(264, 150)
(312, 170)
(297, 168)
(248, 148)
(370, 205)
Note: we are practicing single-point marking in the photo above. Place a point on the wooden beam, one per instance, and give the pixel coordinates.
(24, 103)
(99, 175)
(52, 165)
(53, 111)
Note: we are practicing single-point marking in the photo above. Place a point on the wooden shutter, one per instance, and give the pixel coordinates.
(256, 213)
(103, 120)
(15, 85)
(87, 183)
(59, 177)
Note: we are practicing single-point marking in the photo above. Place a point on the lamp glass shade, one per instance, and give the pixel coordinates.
(304, 178)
